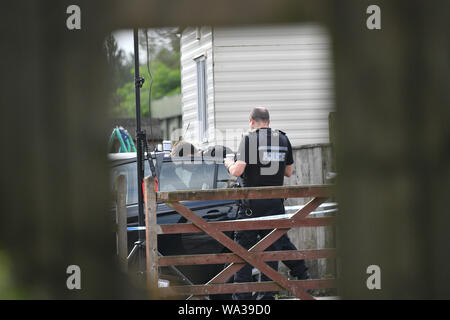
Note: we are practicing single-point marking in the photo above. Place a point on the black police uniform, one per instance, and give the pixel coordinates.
(266, 152)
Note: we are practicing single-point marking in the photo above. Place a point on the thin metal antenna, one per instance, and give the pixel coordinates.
(138, 81)
(149, 91)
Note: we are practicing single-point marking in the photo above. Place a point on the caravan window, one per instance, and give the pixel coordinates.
(202, 99)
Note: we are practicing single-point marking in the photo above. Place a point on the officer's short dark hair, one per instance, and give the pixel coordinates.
(260, 114)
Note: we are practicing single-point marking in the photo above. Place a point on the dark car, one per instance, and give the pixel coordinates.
(187, 173)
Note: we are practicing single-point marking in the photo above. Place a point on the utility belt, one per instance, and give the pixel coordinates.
(243, 205)
(248, 208)
(244, 208)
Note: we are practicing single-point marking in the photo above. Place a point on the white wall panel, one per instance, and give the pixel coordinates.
(288, 69)
(191, 48)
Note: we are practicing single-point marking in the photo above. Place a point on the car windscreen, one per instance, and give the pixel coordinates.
(174, 176)
(186, 175)
(224, 178)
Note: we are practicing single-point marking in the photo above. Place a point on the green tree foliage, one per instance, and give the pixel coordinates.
(119, 68)
(162, 51)
(166, 82)
(8, 288)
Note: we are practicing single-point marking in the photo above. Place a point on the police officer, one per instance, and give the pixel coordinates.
(264, 158)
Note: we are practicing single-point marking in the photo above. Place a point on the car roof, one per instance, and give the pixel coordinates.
(128, 157)
(121, 156)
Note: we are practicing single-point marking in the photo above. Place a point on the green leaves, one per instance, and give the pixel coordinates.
(166, 82)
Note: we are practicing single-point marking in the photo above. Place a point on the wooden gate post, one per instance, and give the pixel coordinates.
(120, 189)
(151, 235)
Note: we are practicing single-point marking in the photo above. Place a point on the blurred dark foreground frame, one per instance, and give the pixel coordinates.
(391, 142)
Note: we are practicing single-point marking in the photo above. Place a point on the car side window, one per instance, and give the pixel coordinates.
(224, 179)
(130, 172)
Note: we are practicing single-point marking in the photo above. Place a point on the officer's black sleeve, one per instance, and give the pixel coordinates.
(242, 153)
(289, 157)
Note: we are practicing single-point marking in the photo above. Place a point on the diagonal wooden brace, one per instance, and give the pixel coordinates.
(260, 246)
(264, 243)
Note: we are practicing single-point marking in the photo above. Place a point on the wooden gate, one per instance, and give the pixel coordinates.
(239, 256)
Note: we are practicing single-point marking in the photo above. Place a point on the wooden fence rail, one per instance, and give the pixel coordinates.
(239, 256)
